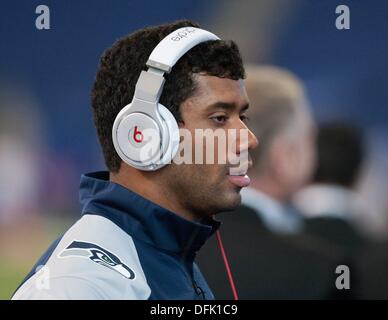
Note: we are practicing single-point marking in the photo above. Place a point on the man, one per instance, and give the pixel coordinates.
(140, 230)
(269, 257)
(330, 203)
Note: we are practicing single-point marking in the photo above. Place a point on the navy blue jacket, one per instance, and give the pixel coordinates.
(123, 247)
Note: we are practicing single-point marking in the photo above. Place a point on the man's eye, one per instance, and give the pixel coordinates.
(219, 119)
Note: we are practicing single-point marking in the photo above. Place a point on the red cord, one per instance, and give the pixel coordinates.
(230, 278)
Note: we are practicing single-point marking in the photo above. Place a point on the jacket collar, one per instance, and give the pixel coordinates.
(141, 218)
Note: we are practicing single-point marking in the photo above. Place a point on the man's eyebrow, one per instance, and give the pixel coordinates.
(226, 106)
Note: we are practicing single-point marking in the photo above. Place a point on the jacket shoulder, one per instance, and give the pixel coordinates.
(95, 259)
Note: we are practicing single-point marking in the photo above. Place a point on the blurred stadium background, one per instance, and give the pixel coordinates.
(47, 138)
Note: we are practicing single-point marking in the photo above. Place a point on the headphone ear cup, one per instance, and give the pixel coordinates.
(172, 140)
(127, 137)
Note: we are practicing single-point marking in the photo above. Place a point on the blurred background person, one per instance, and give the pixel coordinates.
(285, 159)
(331, 203)
(33, 184)
(20, 149)
(268, 255)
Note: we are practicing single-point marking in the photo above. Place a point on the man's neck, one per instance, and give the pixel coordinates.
(146, 184)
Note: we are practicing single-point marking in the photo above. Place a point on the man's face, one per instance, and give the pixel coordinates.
(206, 189)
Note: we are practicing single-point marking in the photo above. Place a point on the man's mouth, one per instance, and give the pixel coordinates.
(240, 178)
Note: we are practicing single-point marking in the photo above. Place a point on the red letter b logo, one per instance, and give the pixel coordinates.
(137, 135)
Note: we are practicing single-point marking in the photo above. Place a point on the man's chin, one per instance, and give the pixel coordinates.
(232, 200)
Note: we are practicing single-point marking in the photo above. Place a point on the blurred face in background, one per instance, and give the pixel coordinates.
(293, 156)
(281, 119)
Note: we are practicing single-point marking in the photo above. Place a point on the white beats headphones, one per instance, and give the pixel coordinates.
(145, 133)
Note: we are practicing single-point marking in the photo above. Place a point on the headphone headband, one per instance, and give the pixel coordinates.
(164, 56)
(175, 45)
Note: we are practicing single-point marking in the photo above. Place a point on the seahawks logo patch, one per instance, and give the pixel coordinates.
(98, 255)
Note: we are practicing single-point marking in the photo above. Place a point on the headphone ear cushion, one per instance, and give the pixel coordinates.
(173, 134)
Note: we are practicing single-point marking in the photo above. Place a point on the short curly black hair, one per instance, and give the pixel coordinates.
(120, 67)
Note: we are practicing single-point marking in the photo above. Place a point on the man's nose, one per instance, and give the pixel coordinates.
(253, 142)
(247, 141)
